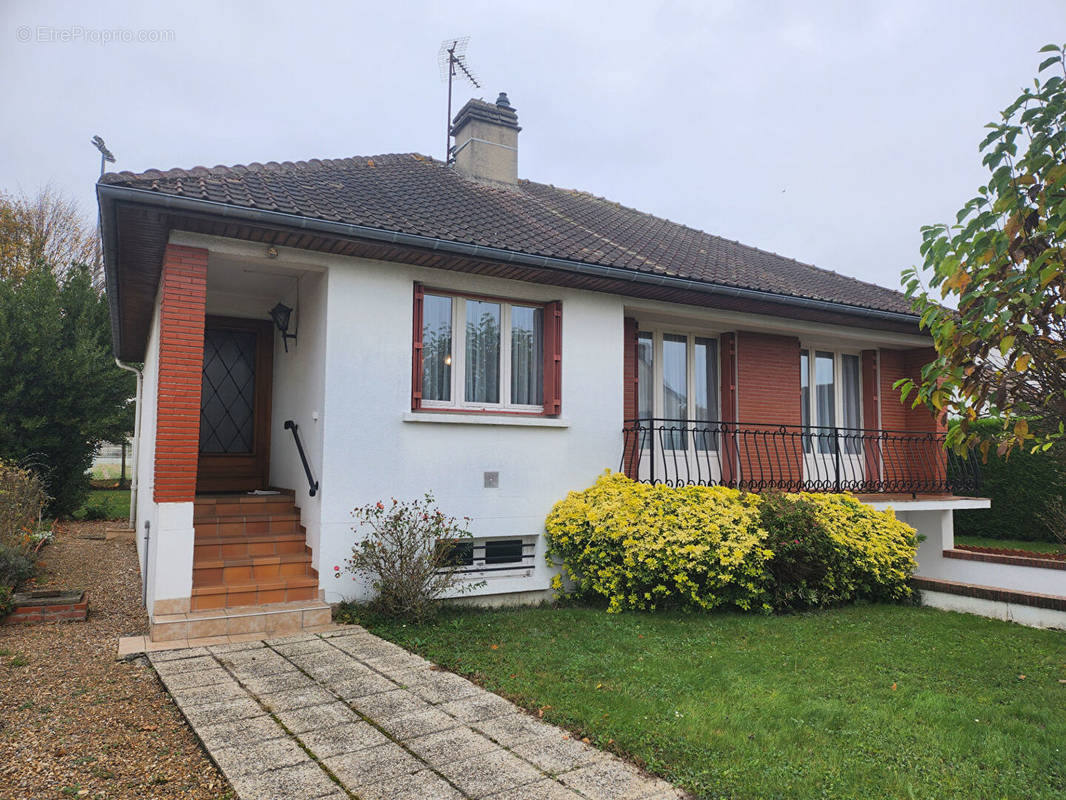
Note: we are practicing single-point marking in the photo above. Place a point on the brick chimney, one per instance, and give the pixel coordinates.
(486, 141)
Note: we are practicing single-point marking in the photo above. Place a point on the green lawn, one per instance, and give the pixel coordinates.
(105, 504)
(862, 702)
(1012, 544)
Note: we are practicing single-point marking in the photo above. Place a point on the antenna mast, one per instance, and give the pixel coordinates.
(453, 55)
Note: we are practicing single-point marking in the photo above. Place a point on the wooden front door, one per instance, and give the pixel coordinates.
(235, 405)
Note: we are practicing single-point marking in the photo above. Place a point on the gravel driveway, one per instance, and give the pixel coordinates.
(74, 722)
(346, 714)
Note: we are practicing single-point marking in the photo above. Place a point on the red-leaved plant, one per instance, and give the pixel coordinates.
(408, 552)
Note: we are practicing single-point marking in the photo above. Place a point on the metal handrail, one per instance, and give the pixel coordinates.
(761, 456)
(312, 484)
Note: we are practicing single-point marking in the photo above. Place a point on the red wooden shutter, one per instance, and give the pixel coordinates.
(629, 369)
(553, 358)
(416, 350)
(630, 389)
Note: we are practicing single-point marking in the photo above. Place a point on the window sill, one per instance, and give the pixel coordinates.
(452, 418)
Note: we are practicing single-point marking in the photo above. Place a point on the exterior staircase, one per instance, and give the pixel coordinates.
(252, 571)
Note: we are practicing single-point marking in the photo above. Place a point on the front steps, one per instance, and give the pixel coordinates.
(252, 572)
(274, 619)
(250, 550)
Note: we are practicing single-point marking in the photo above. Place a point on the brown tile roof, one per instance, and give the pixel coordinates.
(414, 194)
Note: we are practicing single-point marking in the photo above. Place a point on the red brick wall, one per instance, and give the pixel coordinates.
(905, 458)
(768, 378)
(183, 292)
(895, 414)
(768, 395)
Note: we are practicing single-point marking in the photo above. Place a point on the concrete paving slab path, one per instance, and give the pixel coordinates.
(346, 715)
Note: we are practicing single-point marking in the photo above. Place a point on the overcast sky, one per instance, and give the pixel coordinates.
(824, 131)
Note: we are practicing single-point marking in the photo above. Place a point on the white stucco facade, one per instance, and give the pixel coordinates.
(346, 382)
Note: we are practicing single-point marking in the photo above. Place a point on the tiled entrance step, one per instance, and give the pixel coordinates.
(271, 619)
(250, 550)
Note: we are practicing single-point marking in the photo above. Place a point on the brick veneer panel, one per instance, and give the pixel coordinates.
(183, 294)
(768, 393)
(908, 461)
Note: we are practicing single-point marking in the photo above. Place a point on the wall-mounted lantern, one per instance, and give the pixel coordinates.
(281, 314)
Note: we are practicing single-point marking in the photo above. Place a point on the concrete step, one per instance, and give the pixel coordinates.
(207, 572)
(241, 505)
(273, 619)
(252, 524)
(267, 544)
(279, 590)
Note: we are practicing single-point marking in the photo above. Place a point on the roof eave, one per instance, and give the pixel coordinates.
(110, 194)
(108, 245)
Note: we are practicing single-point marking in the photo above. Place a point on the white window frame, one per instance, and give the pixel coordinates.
(482, 570)
(812, 349)
(657, 331)
(458, 365)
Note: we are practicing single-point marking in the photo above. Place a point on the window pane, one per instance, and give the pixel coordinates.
(849, 369)
(503, 551)
(825, 398)
(436, 348)
(705, 391)
(675, 390)
(227, 394)
(805, 395)
(452, 553)
(527, 363)
(645, 376)
(482, 352)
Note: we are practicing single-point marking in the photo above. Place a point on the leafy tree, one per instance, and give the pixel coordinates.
(1002, 353)
(61, 394)
(47, 228)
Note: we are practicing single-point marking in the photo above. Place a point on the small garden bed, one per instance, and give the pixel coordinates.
(863, 701)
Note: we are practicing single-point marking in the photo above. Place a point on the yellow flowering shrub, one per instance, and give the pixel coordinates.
(643, 547)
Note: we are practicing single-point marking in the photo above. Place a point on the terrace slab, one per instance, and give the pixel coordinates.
(342, 714)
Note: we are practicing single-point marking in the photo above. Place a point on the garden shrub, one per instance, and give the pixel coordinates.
(7, 601)
(645, 547)
(831, 549)
(407, 554)
(1025, 489)
(22, 498)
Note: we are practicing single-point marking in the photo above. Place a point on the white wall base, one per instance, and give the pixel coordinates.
(170, 551)
(506, 600)
(1010, 612)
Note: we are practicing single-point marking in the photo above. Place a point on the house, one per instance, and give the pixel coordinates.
(500, 342)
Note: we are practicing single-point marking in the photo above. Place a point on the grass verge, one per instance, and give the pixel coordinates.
(859, 702)
(1012, 544)
(105, 504)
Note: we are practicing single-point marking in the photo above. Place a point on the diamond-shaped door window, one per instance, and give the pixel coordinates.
(227, 394)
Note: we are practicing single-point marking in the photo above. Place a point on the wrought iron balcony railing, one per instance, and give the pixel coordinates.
(757, 457)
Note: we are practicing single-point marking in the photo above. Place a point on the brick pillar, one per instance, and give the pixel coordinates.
(768, 396)
(183, 294)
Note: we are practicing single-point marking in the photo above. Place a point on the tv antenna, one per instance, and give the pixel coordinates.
(452, 60)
